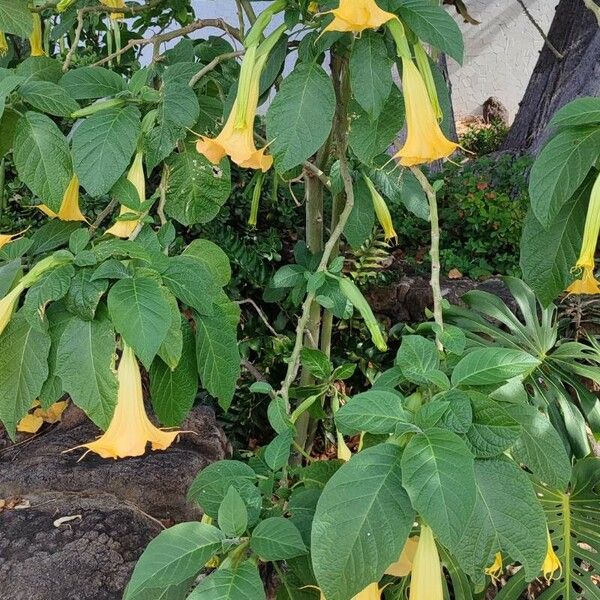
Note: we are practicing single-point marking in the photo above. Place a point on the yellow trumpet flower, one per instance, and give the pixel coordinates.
(426, 578)
(32, 422)
(343, 452)
(586, 264)
(35, 40)
(3, 44)
(130, 430)
(425, 141)
(358, 15)
(371, 592)
(236, 139)
(496, 568)
(115, 16)
(124, 229)
(552, 563)
(382, 211)
(69, 209)
(7, 238)
(8, 304)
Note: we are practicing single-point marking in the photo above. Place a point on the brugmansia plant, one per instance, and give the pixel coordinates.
(468, 455)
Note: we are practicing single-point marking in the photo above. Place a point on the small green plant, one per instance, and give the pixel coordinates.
(484, 139)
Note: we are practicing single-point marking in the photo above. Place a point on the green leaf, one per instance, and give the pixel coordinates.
(52, 235)
(560, 169)
(103, 145)
(172, 347)
(582, 111)
(40, 68)
(15, 18)
(233, 514)
(507, 518)
(85, 363)
(360, 223)
(161, 141)
(370, 72)
(300, 116)
(488, 366)
(374, 411)
(362, 521)
(317, 362)
(42, 158)
(549, 254)
(191, 283)
(179, 105)
(79, 240)
(84, 294)
(416, 357)
(213, 482)
(493, 430)
(48, 97)
(459, 416)
(24, 354)
(434, 25)
(229, 583)
(277, 411)
(453, 338)
(277, 538)
(217, 352)
(540, 447)
(370, 137)
(174, 556)
(214, 259)
(173, 391)
(87, 83)
(9, 273)
(277, 452)
(437, 473)
(141, 314)
(197, 188)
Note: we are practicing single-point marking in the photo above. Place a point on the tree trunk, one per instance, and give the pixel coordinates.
(554, 83)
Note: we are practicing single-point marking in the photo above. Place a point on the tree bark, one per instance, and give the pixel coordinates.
(554, 83)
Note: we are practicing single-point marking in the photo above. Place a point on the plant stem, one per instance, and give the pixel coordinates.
(435, 251)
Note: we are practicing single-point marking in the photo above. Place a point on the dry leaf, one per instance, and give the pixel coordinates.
(455, 274)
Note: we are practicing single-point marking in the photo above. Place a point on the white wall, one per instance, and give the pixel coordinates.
(500, 54)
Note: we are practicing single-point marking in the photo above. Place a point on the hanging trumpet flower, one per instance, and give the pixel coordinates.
(426, 578)
(403, 566)
(236, 139)
(586, 264)
(496, 568)
(130, 430)
(124, 229)
(8, 305)
(3, 44)
(382, 211)
(69, 209)
(35, 40)
(425, 141)
(371, 592)
(552, 564)
(358, 15)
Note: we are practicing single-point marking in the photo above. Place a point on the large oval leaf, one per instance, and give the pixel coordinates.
(241, 583)
(300, 117)
(362, 520)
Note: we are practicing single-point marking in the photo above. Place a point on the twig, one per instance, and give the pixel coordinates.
(314, 170)
(75, 43)
(171, 35)
(594, 8)
(101, 8)
(110, 207)
(249, 11)
(435, 251)
(261, 314)
(164, 184)
(213, 64)
(550, 45)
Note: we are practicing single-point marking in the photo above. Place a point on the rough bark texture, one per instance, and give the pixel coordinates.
(554, 83)
(121, 506)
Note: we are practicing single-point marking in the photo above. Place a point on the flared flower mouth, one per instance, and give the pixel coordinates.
(357, 15)
(7, 238)
(130, 429)
(69, 209)
(236, 139)
(496, 568)
(425, 141)
(586, 282)
(552, 567)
